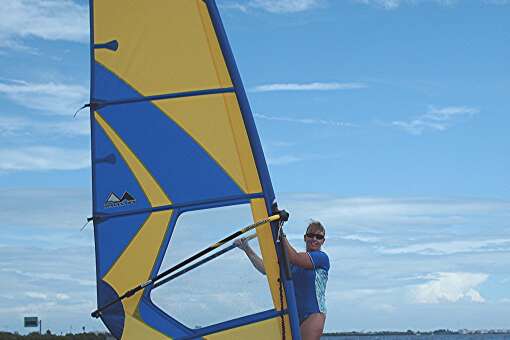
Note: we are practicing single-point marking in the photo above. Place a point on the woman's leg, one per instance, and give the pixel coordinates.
(313, 326)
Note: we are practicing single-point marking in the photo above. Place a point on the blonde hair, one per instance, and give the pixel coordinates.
(316, 226)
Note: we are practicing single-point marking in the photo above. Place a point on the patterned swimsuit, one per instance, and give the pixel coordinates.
(310, 285)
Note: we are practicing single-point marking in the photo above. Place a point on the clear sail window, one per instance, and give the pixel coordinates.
(221, 289)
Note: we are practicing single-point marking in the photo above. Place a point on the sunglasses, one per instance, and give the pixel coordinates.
(316, 236)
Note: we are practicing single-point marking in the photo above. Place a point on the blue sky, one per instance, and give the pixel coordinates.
(385, 119)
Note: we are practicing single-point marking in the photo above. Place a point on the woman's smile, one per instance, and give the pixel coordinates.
(313, 243)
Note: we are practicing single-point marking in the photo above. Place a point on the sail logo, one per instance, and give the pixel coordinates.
(114, 201)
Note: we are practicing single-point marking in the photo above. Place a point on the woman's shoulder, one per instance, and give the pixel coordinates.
(320, 259)
(319, 252)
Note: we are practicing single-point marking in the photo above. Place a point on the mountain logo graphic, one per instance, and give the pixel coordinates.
(113, 201)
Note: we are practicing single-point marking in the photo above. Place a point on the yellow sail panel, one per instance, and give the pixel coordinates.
(163, 46)
(268, 251)
(135, 264)
(267, 329)
(135, 329)
(215, 122)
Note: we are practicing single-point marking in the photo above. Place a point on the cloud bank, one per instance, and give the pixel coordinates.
(52, 263)
(450, 287)
(48, 20)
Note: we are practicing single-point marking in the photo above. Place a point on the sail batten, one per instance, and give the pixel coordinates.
(101, 103)
(198, 205)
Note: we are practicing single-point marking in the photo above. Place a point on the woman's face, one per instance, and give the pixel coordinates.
(314, 240)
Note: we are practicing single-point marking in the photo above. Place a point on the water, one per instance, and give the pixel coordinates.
(420, 337)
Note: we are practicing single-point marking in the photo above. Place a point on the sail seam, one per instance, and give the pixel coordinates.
(229, 113)
(210, 41)
(149, 185)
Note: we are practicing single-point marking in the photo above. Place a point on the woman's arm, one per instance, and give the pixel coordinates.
(296, 258)
(254, 258)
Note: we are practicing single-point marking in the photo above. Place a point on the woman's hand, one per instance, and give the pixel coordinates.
(242, 243)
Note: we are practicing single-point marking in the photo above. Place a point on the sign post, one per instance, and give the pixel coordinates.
(33, 321)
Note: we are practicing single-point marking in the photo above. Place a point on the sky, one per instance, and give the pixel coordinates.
(387, 120)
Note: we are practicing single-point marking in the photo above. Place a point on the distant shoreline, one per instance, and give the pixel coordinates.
(411, 332)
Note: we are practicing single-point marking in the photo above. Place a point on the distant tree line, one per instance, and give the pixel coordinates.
(49, 336)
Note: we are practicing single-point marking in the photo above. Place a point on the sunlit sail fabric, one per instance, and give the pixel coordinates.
(172, 132)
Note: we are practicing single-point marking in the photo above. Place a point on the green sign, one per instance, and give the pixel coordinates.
(31, 321)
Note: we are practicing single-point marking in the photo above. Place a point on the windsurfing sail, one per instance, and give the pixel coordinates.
(172, 132)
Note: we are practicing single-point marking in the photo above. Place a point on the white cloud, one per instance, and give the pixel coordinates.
(436, 119)
(387, 4)
(497, 2)
(243, 7)
(360, 238)
(70, 127)
(384, 307)
(408, 212)
(52, 277)
(6, 43)
(48, 19)
(356, 294)
(284, 160)
(62, 296)
(275, 6)
(450, 287)
(10, 126)
(316, 86)
(57, 282)
(22, 126)
(417, 126)
(451, 247)
(281, 144)
(449, 112)
(285, 6)
(312, 121)
(40, 158)
(51, 98)
(36, 295)
(394, 4)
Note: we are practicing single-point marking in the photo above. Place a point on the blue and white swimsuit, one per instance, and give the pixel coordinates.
(310, 285)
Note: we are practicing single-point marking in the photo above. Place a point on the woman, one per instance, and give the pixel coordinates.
(309, 274)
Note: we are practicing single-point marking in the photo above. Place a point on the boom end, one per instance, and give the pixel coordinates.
(284, 215)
